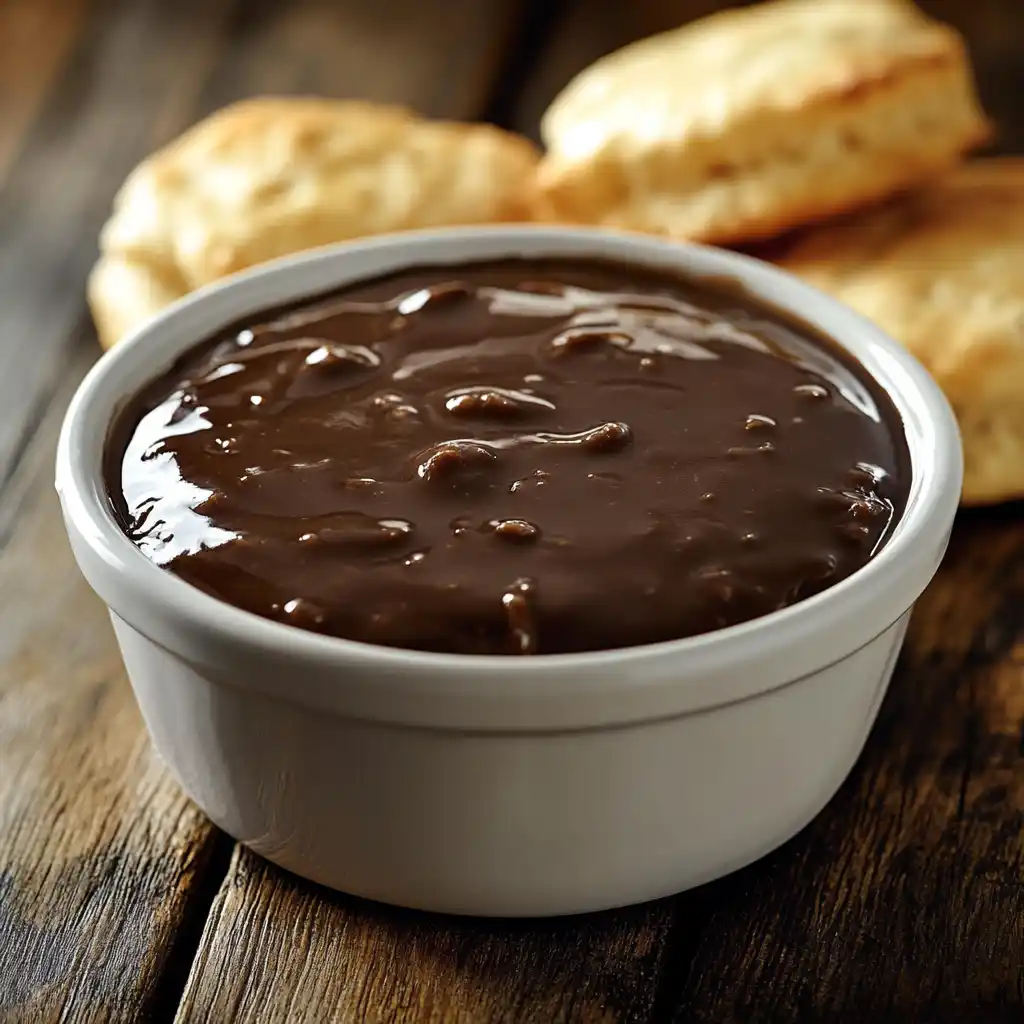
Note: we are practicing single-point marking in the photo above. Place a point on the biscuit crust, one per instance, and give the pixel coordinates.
(752, 121)
(272, 176)
(942, 271)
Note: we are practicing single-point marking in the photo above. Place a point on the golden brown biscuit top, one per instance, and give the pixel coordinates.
(737, 66)
(267, 177)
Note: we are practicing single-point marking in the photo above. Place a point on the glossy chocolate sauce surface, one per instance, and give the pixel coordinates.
(512, 458)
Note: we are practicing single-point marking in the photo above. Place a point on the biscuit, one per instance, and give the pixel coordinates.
(942, 271)
(271, 176)
(750, 122)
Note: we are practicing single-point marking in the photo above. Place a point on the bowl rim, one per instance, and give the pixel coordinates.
(881, 590)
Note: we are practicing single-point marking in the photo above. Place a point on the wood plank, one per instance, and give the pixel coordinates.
(101, 857)
(305, 954)
(100, 853)
(441, 60)
(35, 39)
(130, 83)
(904, 900)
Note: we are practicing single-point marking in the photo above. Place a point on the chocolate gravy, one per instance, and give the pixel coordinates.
(512, 458)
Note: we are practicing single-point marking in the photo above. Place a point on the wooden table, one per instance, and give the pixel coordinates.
(903, 901)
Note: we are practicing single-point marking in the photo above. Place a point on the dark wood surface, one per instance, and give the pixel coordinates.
(903, 901)
(278, 949)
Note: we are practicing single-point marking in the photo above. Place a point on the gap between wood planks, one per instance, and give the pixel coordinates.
(168, 992)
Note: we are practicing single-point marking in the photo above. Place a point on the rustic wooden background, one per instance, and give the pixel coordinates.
(903, 901)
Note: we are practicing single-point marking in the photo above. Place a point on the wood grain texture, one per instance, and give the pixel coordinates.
(130, 82)
(100, 853)
(904, 900)
(443, 60)
(101, 857)
(35, 38)
(302, 953)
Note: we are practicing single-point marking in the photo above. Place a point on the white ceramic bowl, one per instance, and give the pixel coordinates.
(507, 786)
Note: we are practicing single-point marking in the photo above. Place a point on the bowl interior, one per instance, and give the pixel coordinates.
(930, 431)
